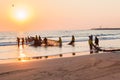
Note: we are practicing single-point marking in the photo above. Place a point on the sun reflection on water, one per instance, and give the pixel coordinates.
(22, 55)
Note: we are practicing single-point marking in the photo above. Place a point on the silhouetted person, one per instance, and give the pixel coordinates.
(96, 43)
(60, 42)
(45, 41)
(18, 41)
(23, 41)
(26, 40)
(36, 41)
(72, 41)
(90, 41)
(40, 41)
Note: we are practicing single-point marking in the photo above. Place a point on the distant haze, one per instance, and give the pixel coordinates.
(25, 15)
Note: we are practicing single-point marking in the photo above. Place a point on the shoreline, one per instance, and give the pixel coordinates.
(107, 44)
(35, 58)
(103, 66)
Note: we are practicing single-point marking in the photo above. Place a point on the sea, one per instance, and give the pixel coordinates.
(9, 49)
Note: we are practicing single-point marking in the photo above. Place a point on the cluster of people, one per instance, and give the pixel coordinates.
(93, 46)
(37, 41)
(22, 40)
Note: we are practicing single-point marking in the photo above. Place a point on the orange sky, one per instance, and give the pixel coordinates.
(58, 14)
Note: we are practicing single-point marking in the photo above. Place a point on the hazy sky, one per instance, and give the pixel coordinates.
(38, 15)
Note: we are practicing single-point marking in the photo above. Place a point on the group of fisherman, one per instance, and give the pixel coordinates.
(37, 41)
(93, 46)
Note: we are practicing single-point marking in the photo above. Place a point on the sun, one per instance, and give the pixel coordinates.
(21, 15)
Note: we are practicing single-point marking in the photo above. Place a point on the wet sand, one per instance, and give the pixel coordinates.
(103, 66)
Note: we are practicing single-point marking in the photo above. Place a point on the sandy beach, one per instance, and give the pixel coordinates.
(103, 66)
(59, 40)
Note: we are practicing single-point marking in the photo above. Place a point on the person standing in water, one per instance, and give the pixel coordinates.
(96, 43)
(45, 41)
(60, 42)
(40, 41)
(23, 42)
(18, 41)
(36, 41)
(72, 41)
(90, 41)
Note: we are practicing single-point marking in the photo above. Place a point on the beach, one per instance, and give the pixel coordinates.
(59, 40)
(67, 62)
(8, 45)
(102, 66)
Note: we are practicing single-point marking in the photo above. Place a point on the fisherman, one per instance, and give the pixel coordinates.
(40, 41)
(45, 41)
(18, 41)
(96, 44)
(96, 41)
(23, 41)
(36, 41)
(90, 41)
(60, 42)
(72, 41)
(26, 40)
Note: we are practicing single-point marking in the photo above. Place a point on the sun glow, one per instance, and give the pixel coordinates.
(21, 15)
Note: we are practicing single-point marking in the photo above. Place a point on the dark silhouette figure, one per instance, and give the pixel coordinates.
(40, 41)
(72, 41)
(96, 43)
(23, 41)
(18, 41)
(26, 40)
(36, 41)
(60, 42)
(90, 41)
(45, 41)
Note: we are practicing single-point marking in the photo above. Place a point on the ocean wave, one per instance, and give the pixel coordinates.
(66, 40)
(80, 36)
(7, 43)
